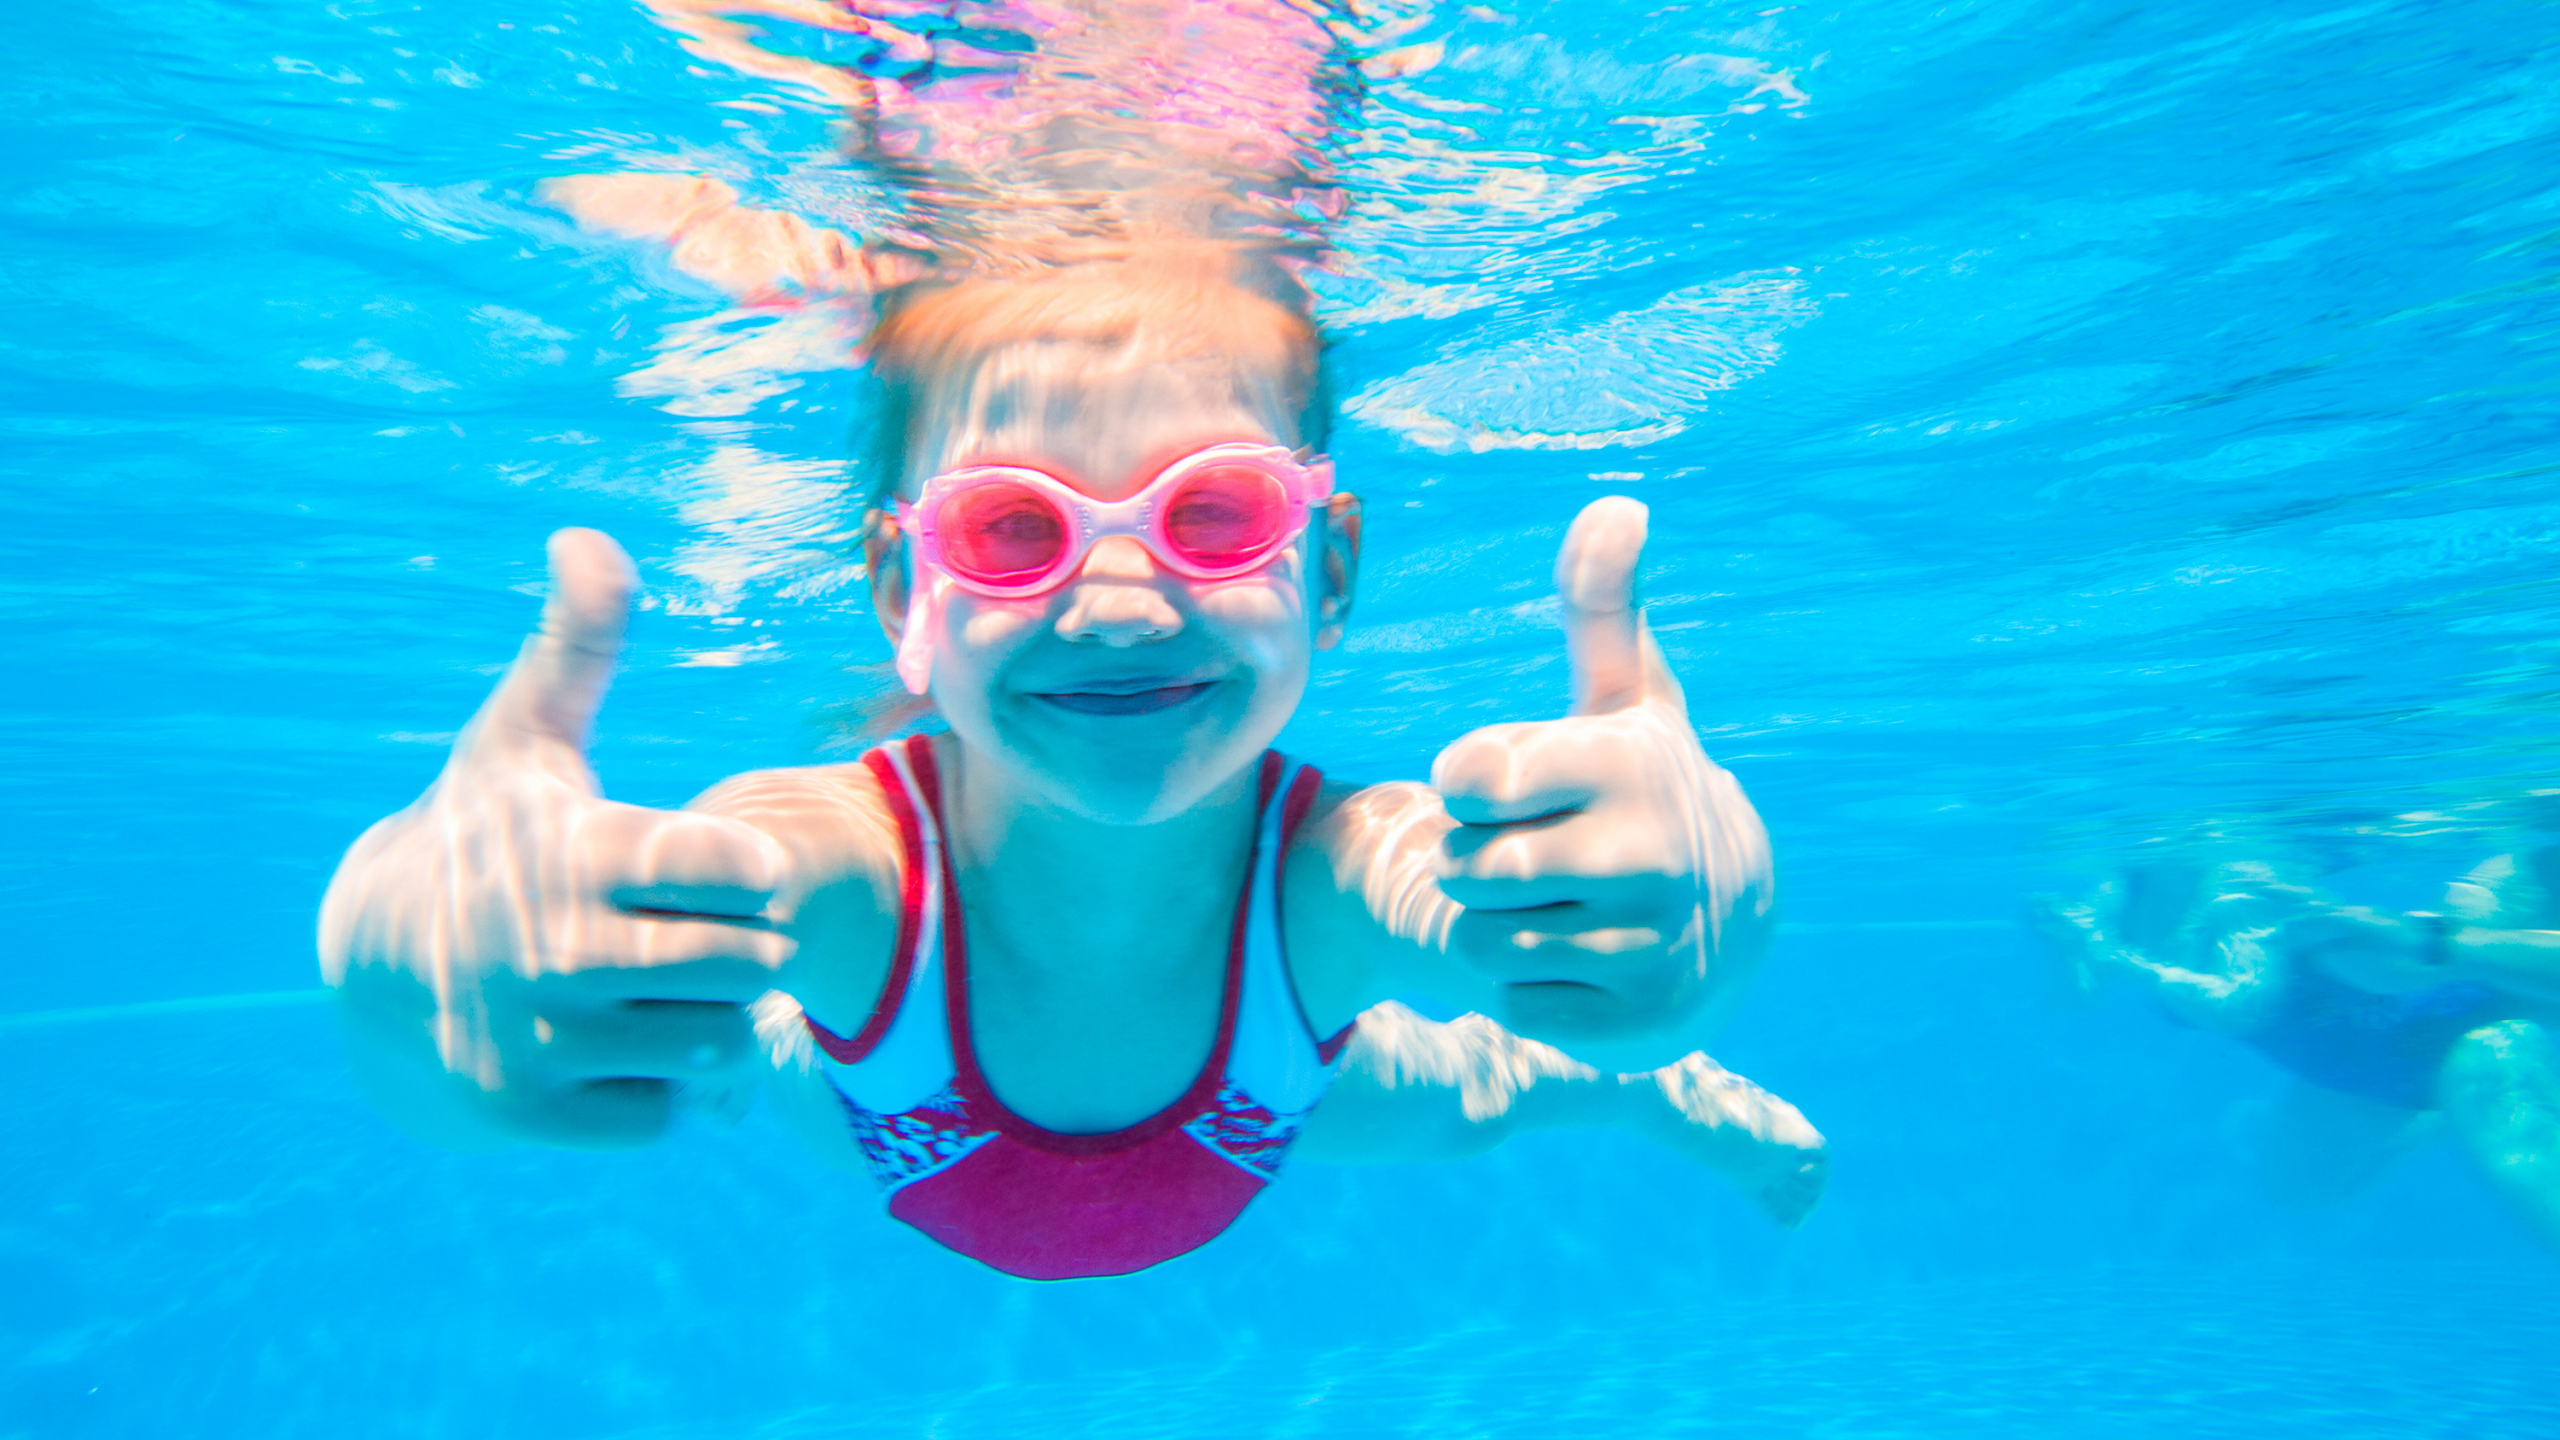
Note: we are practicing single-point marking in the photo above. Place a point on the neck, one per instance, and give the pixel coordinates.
(1046, 889)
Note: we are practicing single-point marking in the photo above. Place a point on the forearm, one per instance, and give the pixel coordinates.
(807, 1103)
(2222, 1004)
(1415, 1089)
(2526, 962)
(2230, 998)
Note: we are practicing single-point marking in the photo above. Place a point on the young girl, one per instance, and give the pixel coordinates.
(1069, 979)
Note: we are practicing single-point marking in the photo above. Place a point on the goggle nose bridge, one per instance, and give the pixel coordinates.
(1091, 529)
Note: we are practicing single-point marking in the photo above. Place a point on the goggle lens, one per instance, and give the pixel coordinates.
(1010, 531)
(1001, 532)
(1226, 515)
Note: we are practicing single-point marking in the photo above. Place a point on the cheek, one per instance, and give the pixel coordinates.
(981, 631)
(1264, 618)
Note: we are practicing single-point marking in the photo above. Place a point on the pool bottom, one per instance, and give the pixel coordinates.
(205, 1232)
(2254, 1355)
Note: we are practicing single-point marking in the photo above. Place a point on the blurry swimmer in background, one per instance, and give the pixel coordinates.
(2391, 1024)
(1070, 978)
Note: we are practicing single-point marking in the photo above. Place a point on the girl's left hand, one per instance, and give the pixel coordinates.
(1617, 884)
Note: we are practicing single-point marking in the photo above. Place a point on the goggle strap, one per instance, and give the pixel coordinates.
(915, 638)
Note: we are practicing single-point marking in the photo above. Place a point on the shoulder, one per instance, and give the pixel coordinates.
(841, 901)
(850, 782)
(822, 807)
(1349, 817)
(1354, 836)
(1361, 891)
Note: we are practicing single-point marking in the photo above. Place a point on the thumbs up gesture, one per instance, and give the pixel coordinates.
(1616, 883)
(517, 957)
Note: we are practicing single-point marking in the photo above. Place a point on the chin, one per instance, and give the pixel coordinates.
(1140, 789)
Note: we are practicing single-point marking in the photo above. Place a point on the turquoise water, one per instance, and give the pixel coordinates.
(2064, 425)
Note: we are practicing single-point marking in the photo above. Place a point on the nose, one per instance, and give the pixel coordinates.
(1116, 599)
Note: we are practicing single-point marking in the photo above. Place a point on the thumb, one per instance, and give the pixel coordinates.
(1613, 659)
(553, 690)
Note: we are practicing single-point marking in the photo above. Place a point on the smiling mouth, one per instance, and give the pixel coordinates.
(1124, 702)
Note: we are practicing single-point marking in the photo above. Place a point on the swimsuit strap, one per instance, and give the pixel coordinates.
(1278, 1057)
(1300, 799)
(920, 889)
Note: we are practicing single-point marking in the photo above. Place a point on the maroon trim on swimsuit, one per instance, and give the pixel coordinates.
(1329, 1049)
(902, 961)
(980, 1098)
(1293, 811)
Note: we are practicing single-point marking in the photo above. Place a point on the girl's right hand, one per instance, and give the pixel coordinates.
(518, 958)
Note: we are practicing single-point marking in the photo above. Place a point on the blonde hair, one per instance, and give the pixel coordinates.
(1153, 304)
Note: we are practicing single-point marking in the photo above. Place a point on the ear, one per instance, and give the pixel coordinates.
(884, 560)
(1337, 568)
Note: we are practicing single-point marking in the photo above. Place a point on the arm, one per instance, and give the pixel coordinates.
(761, 257)
(2257, 928)
(2227, 995)
(517, 958)
(843, 864)
(801, 1095)
(1412, 1089)
(2521, 962)
(2499, 935)
(1595, 882)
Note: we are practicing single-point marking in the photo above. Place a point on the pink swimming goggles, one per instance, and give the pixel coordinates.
(1009, 531)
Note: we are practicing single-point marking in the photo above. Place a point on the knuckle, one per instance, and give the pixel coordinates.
(1482, 761)
(1505, 858)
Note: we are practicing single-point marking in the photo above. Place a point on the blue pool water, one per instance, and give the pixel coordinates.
(2064, 425)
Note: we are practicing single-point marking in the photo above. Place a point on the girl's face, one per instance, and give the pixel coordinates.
(1129, 693)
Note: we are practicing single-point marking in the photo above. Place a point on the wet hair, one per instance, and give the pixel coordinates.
(1165, 303)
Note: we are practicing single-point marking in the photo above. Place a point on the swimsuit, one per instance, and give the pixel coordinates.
(2385, 1048)
(955, 1163)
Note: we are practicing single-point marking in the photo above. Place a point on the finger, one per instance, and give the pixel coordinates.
(1790, 1195)
(606, 1114)
(1570, 1012)
(637, 205)
(1596, 580)
(682, 861)
(651, 956)
(1556, 944)
(551, 693)
(679, 958)
(1525, 770)
(1630, 897)
(1581, 854)
(655, 1039)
